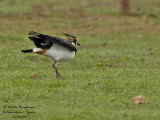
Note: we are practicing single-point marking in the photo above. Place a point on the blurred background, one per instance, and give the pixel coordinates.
(79, 16)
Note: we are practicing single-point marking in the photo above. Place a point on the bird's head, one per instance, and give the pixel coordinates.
(72, 39)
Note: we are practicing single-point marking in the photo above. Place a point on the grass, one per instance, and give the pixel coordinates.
(118, 60)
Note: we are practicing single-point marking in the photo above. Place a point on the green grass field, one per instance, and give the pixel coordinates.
(118, 60)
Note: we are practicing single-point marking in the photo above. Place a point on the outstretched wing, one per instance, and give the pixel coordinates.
(46, 41)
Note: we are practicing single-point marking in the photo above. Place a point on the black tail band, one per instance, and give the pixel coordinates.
(27, 51)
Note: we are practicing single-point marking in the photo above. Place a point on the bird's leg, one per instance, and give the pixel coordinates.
(58, 76)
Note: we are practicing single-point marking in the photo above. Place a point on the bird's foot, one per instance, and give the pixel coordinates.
(58, 76)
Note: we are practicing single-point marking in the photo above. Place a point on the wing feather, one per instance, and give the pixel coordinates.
(46, 41)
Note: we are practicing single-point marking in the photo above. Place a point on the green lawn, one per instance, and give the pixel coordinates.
(118, 60)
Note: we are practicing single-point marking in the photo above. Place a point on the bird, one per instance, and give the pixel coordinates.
(56, 48)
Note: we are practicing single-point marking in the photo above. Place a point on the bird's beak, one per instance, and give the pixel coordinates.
(78, 44)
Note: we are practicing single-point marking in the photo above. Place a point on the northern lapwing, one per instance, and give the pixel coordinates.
(56, 48)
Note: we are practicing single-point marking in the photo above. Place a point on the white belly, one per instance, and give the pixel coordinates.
(59, 53)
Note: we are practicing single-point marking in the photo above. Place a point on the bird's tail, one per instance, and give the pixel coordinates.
(27, 51)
